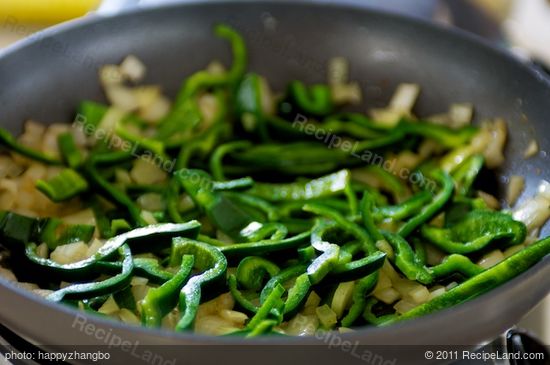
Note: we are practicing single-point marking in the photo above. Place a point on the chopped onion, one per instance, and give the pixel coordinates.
(491, 259)
(129, 317)
(213, 325)
(237, 318)
(532, 149)
(94, 246)
(109, 307)
(122, 97)
(151, 201)
(147, 173)
(403, 306)
(489, 199)
(404, 97)
(460, 115)
(7, 274)
(43, 251)
(85, 216)
(302, 325)
(110, 75)
(494, 151)
(326, 316)
(70, 253)
(138, 280)
(342, 297)
(515, 187)
(512, 250)
(534, 212)
(132, 68)
(387, 295)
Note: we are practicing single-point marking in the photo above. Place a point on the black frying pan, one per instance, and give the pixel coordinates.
(44, 77)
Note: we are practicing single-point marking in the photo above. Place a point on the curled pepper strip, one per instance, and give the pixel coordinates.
(406, 260)
(90, 290)
(347, 225)
(253, 270)
(484, 281)
(466, 173)
(430, 210)
(359, 298)
(160, 301)
(161, 234)
(476, 231)
(323, 264)
(213, 265)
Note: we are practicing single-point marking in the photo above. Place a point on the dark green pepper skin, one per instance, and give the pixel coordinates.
(213, 265)
(160, 301)
(430, 210)
(484, 281)
(139, 238)
(96, 289)
(475, 231)
(241, 250)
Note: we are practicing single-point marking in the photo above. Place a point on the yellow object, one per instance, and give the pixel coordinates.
(44, 11)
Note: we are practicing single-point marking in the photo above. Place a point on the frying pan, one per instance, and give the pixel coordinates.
(45, 76)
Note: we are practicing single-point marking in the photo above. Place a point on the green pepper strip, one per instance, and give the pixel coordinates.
(102, 221)
(323, 264)
(160, 301)
(484, 281)
(359, 298)
(253, 270)
(90, 113)
(8, 141)
(160, 234)
(456, 263)
(272, 304)
(148, 268)
(117, 196)
(239, 250)
(430, 210)
(356, 269)
(404, 210)
(322, 187)
(90, 290)
(216, 160)
(207, 258)
(64, 186)
(347, 225)
(237, 184)
(314, 100)
(68, 150)
(298, 158)
(255, 202)
(366, 208)
(248, 102)
(241, 300)
(297, 294)
(56, 233)
(203, 79)
(476, 231)
(262, 328)
(406, 260)
(466, 173)
(445, 136)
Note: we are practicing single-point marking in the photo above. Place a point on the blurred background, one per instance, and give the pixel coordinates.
(522, 26)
